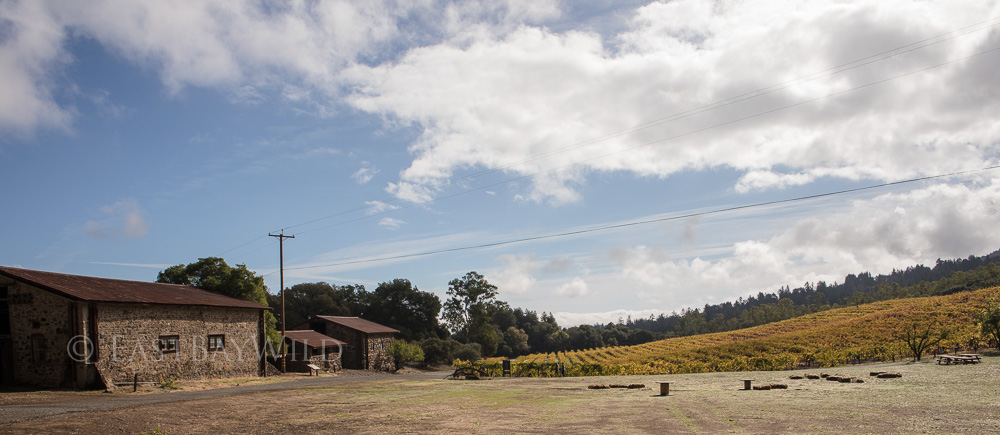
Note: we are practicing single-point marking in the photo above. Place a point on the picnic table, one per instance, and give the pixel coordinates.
(962, 358)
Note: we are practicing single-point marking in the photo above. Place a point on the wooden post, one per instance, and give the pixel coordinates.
(747, 384)
(281, 268)
(664, 388)
(135, 382)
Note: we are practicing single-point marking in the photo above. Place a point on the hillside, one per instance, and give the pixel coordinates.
(862, 333)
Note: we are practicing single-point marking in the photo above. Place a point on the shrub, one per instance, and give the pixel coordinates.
(403, 352)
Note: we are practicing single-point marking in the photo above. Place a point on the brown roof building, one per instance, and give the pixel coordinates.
(310, 347)
(367, 343)
(59, 329)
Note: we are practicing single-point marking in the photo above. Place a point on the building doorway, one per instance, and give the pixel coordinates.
(6, 361)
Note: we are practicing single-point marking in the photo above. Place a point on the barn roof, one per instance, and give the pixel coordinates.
(91, 289)
(313, 339)
(359, 324)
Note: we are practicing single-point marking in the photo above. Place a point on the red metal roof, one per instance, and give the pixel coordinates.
(85, 288)
(313, 339)
(359, 324)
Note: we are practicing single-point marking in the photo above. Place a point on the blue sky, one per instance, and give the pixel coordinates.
(135, 136)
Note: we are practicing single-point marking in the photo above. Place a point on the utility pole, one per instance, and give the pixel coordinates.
(281, 266)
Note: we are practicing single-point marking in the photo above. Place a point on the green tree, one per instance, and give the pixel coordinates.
(439, 351)
(470, 303)
(989, 321)
(400, 305)
(213, 274)
(515, 341)
(303, 301)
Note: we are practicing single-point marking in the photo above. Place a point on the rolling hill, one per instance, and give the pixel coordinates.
(863, 333)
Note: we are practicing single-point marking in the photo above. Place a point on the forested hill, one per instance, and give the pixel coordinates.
(947, 276)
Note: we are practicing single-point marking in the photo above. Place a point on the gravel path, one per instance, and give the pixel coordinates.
(15, 413)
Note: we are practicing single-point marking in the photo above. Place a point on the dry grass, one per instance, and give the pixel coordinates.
(928, 398)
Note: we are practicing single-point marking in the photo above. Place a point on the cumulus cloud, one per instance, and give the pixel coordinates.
(892, 230)
(503, 100)
(122, 219)
(518, 273)
(576, 287)
(492, 85)
(245, 48)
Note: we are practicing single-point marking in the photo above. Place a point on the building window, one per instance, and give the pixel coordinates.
(168, 343)
(216, 342)
(38, 347)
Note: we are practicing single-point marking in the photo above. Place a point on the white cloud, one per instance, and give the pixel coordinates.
(893, 230)
(502, 100)
(245, 48)
(379, 207)
(30, 51)
(566, 320)
(391, 223)
(365, 173)
(517, 275)
(122, 219)
(574, 288)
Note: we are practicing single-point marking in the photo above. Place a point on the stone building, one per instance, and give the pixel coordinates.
(310, 347)
(68, 330)
(367, 343)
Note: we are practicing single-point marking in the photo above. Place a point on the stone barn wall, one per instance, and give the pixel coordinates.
(129, 336)
(379, 356)
(41, 317)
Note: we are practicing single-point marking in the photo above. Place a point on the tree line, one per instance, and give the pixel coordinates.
(946, 277)
(473, 323)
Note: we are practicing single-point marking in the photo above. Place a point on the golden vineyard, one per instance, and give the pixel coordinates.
(859, 334)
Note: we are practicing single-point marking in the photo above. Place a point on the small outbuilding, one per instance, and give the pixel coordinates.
(307, 347)
(366, 343)
(69, 330)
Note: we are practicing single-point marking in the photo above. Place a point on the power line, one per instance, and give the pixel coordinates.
(878, 57)
(645, 222)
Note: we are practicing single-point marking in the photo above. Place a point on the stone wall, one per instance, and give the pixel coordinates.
(379, 356)
(37, 314)
(128, 342)
(298, 362)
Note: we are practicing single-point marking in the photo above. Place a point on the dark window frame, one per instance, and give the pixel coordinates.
(216, 342)
(168, 343)
(38, 347)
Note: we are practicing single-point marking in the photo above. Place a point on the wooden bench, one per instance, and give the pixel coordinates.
(974, 356)
(314, 368)
(958, 359)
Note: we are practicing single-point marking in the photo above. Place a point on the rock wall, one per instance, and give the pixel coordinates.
(42, 319)
(379, 356)
(129, 336)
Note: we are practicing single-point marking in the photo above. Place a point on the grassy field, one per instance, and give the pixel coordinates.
(861, 333)
(928, 398)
